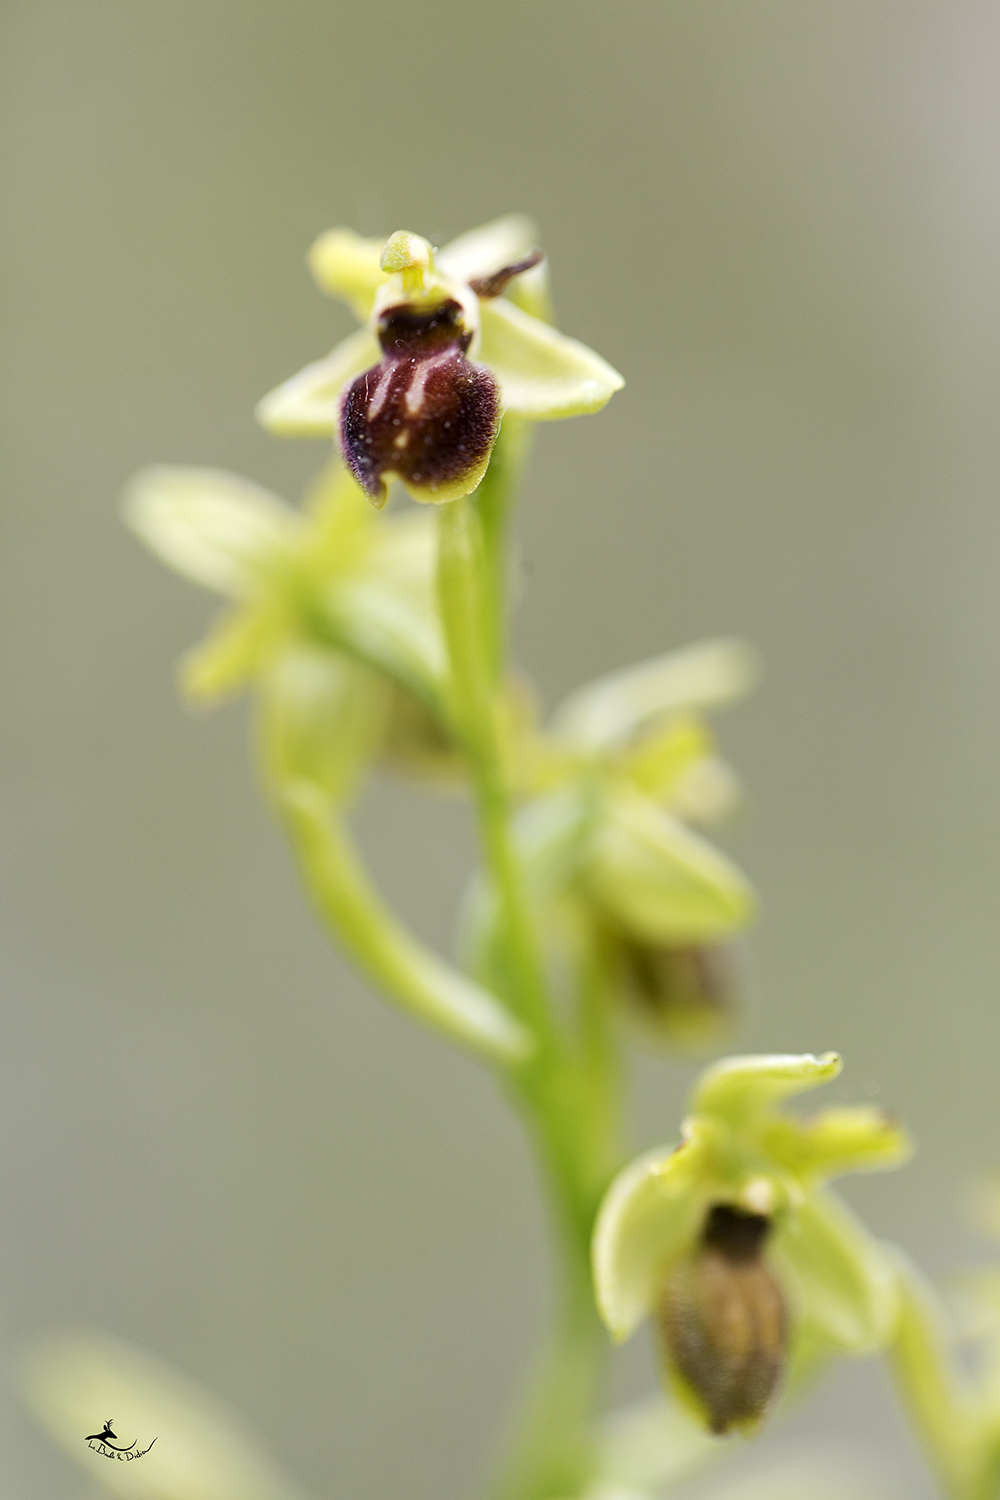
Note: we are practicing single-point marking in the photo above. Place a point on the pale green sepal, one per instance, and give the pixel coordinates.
(611, 710)
(543, 374)
(532, 293)
(552, 834)
(958, 1435)
(308, 404)
(663, 881)
(346, 265)
(840, 1278)
(217, 529)
(202, 1450)
(387, 611)
(854, 1138)
(229, 657)
(384, 628)
(650, 1212)
(411, 974)
(738, 1087)
(322, 715)
(489, 248)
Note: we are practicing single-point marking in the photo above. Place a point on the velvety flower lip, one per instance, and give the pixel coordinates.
(424, 413)
(724, 1319)
(451, 342)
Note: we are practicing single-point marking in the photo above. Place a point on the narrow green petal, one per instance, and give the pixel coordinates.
(856, 1138)
(308, 405)
(345, 265)
(663, 882)
(650, 1212)
(841, 1279)
(611, 710)
(214, 527)
(543, 375)
(202, 1450)
(229, 657)
(489, 248)
(737, 1087)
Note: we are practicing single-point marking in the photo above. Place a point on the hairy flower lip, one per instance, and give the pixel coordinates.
(426, 415)
(724, 1321)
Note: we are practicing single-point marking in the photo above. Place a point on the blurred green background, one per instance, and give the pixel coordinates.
(781, 221)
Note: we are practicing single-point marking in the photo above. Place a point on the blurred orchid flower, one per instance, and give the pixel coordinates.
(731, 1242)
(333, 616)
(613, 786)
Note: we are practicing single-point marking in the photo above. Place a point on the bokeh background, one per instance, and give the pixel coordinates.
(781, 221)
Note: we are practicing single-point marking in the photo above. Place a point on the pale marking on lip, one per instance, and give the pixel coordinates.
(380, 394)
(417, 388)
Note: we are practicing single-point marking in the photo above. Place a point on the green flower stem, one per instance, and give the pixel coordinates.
(940, 1410)
(474, 710)
(410, 973)
(492, 503)
(554, 1451)
(561, 1089)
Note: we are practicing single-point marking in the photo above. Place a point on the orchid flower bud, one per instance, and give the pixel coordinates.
(681, 994)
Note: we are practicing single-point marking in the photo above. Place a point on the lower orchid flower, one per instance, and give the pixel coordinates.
(730, 1241)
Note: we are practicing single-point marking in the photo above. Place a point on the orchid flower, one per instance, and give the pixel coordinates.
(418, 393)
(735, 1247)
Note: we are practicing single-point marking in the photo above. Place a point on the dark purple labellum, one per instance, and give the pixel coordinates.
(723, 1319)
(424, 413)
